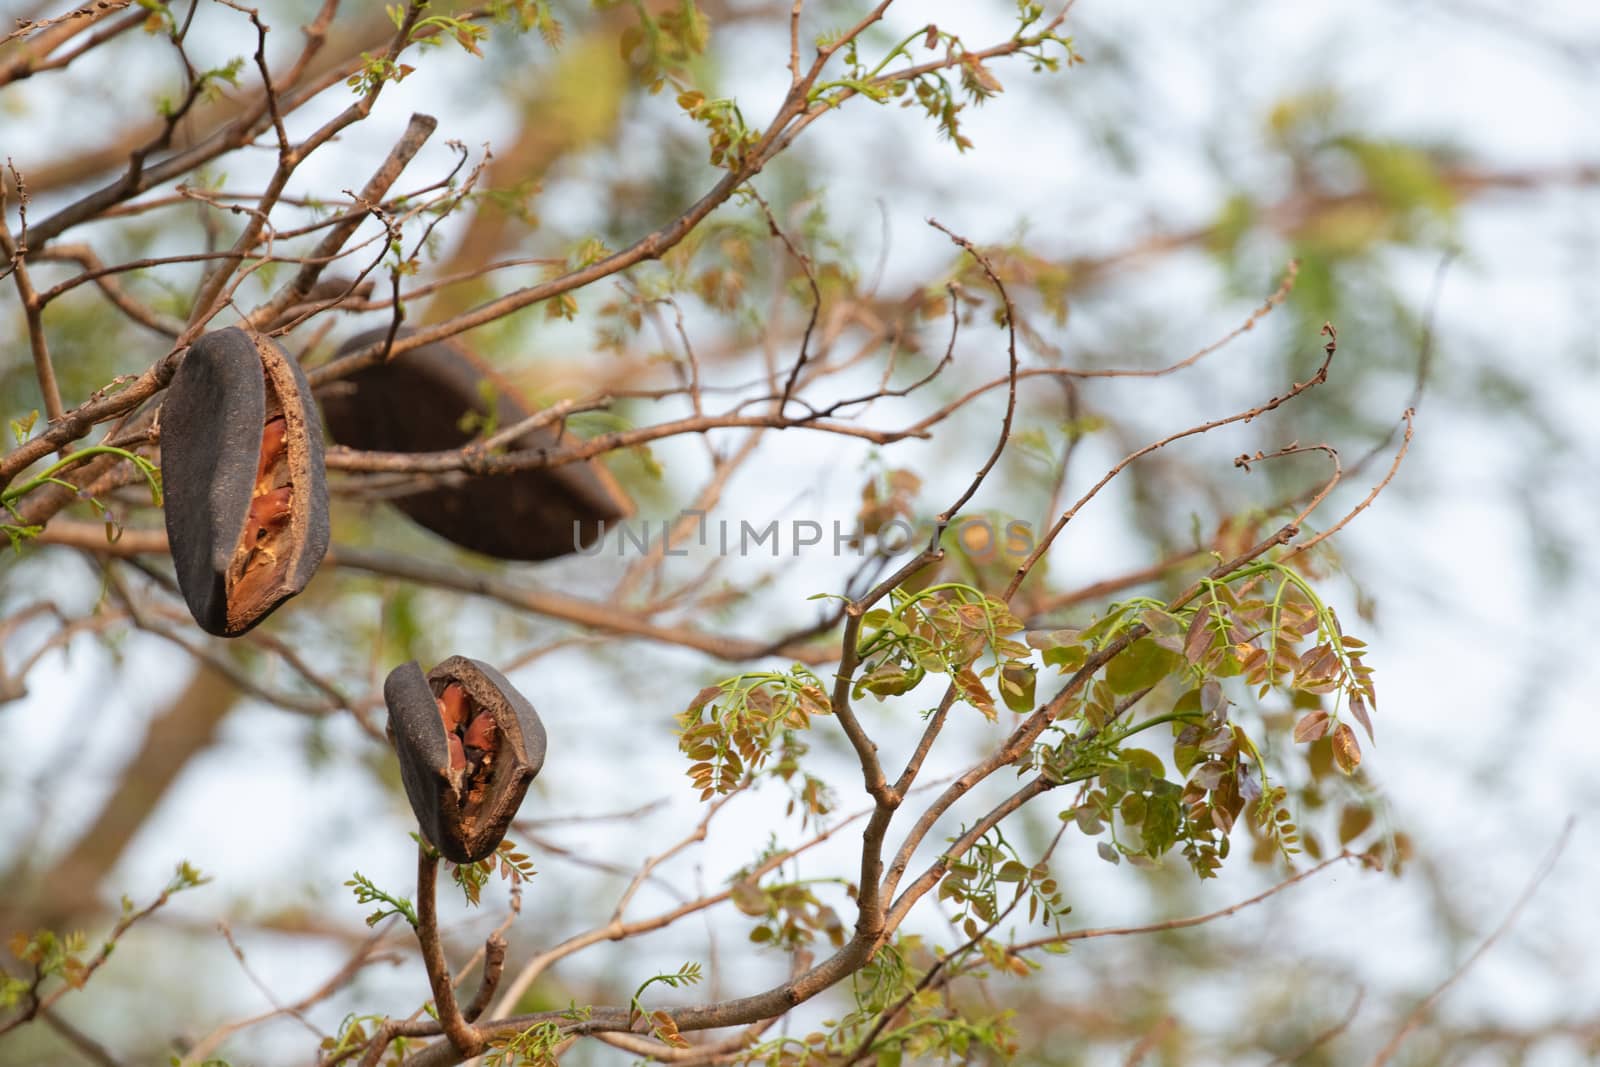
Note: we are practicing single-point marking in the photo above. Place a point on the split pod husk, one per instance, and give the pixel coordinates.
(436, 398)
(469, 746)
(241, 465)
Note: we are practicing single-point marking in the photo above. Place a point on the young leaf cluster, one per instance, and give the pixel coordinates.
(977, 884)
(1263, 626)
(901, 1015)
(791, 914)
(354, 1034)
(48, 955)
(733, 728)
(367, 893)
(662, 1026)
(665, 39)
(946, 629)
(933, 91)
(513, 866)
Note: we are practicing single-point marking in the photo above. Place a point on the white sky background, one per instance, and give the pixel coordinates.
(1485, 743)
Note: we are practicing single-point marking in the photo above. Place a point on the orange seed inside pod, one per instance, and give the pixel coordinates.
(480, 734)
(453, 707)
(273, 437)
(269, 510)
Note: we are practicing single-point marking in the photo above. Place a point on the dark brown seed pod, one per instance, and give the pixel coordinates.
(241, 465)
(432, 399)
(469, 746)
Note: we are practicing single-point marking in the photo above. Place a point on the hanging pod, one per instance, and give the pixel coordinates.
(469, 746)
(241, 466)
(440, 397)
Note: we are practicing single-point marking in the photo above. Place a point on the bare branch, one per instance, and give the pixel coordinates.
(1421, 1011)
(461, 1033)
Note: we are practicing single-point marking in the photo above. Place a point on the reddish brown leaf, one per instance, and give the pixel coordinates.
(1353, 821)
(1358, 708)
(973, 691)
(1311, 728)
(1198, 640)
(1346, 749)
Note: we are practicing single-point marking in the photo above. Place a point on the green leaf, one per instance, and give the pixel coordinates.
(1184, 757)
(1140, 666)
(1066, 658)
(1011, 871)
(1017, 686)
(890, 680)
(1087, 819)
(1144, 760)
(21, 428)
(1162, 817)
(1102, 630)
(1161, 623)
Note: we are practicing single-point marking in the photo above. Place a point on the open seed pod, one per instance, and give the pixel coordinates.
(469, 746)
(241, 465)
(424, 401)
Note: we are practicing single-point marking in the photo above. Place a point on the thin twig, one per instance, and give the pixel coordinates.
(1421, 1011)
(1179, 924)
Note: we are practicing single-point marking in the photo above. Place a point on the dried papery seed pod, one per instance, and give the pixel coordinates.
(435, 398)
(469, 746)
(241, 464)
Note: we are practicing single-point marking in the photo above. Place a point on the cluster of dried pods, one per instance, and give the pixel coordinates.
(241, 458)
(247, 524)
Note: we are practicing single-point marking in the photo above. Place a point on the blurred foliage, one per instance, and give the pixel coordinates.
(612, 118)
